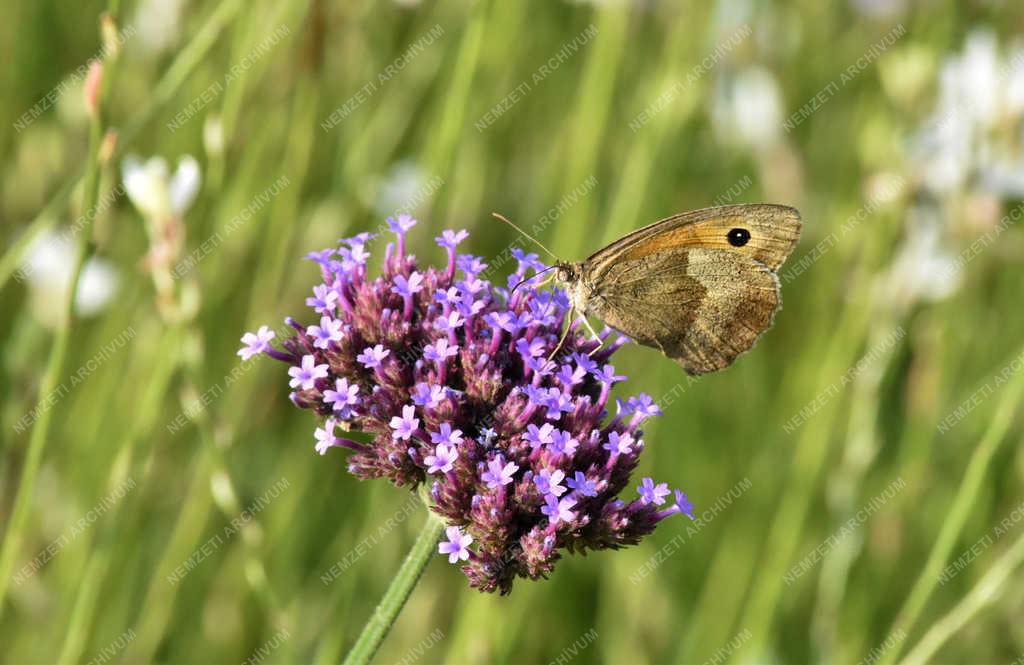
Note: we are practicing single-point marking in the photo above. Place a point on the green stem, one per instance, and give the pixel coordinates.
(126, 465)
(51, 380)
(989, 589)
(963, 502)
(380, 622)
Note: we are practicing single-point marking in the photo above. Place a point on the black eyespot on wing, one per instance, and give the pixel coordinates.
(738, 237)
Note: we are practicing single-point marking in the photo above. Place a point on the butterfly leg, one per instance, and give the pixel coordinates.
(597, 338)
(568, 325)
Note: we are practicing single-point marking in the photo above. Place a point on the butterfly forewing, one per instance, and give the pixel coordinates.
(773, 232)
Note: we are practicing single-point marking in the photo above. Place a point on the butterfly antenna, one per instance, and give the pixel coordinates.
(537, 242)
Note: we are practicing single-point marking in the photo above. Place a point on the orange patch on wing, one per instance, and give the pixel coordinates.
(706, 234)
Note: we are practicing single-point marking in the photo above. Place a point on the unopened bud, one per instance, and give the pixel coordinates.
(93, 81)
(108, 146)
(213, 135)
(111, 40)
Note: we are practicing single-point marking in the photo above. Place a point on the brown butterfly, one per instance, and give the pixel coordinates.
(701, 286)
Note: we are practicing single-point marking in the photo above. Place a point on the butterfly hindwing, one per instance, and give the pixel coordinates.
(701, 307)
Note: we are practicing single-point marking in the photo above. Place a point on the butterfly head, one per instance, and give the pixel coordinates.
(567, 272)
(571, 277)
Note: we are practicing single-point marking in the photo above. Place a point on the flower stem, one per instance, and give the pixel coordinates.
(988, 590)
(959, 512)
(380, 622)
(19, 517)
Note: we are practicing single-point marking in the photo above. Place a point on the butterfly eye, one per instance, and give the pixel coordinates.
(738, 237)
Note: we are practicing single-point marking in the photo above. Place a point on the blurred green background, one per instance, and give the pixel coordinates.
(858, 474)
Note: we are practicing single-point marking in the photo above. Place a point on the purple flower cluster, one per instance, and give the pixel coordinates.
(455, 380)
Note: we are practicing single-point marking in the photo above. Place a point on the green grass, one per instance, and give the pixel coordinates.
(720, 589)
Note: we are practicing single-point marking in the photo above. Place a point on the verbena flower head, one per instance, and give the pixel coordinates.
(451, 376)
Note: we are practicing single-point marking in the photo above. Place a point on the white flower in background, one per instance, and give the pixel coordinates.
(924, 270)
(728, 16)
(973, 137)
(1013, 83)
(966, 161)
(943, 152)
(1005, 178)
(880, 9)
(747, 108)
(184, 185)
(399, 189)
(154, 193)
(47, 268)
(163, 200)
(158, 23)
(970, 83)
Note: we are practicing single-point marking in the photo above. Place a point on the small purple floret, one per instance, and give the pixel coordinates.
(457, 545)
(651, 493)
(549, 482)
(343, 398)
(258, 342)
(372, 357)
(305, 375)
(558, 510)
(580, 484)
(404, 426)
(499, 473)
(442, 460)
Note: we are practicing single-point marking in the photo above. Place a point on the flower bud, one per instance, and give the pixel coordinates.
(93, 81)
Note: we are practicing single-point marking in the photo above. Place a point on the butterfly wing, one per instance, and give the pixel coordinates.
(774, 231)
(681, 286)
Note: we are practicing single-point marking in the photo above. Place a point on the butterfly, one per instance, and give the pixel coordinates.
(700, 286)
